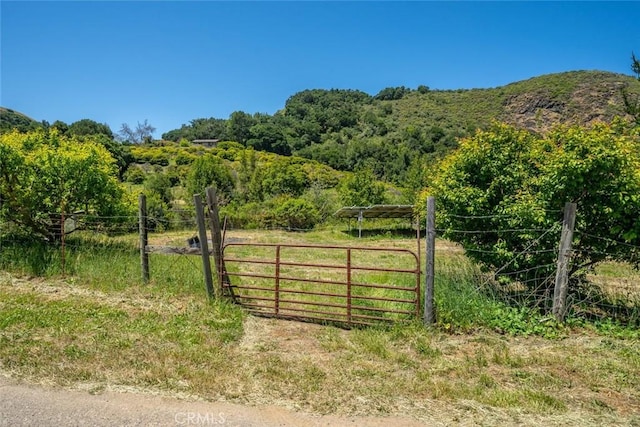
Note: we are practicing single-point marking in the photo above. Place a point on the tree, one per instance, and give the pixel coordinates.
(61, 127)
(142, 133)
(362, 189)
(295, 214)
(239, 125)
(285, 175)
(206, 171)
(268, 137)
(500, 191)
(160, 184)
(43, 174)
(631, 103)
(392, 93)
(87, 127)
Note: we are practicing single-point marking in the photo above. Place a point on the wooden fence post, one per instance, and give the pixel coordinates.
(216, 239)
(429, 315)
(62, 239)
(144, 239)
(562, 272)
(204, 245)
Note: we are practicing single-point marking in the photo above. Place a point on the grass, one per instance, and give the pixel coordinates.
(101, 328)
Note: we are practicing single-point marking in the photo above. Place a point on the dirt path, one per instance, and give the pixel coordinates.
(28, 405)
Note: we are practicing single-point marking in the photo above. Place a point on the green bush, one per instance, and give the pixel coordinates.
(134, 175)
(295, 214)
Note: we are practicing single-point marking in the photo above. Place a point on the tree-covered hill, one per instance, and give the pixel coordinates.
(349, 129)
(399, 128)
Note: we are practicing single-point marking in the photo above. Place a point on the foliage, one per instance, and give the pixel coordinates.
(631, 103)
(210, 128)
(295, 214)
(285, 175)
(268, 137)
(43, 174)
(239, 126)
(392, 93)
(13, 120)
(134, 175)
(206, 171)
(159, 184)
(87, 127)
(512, 185)
(362, 189)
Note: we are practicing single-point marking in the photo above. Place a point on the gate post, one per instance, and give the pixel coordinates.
(216, 240)
(562, 272)
(142, 228)
(204, 245)
(429, 315)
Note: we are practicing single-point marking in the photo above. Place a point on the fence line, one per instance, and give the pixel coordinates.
(599, 291)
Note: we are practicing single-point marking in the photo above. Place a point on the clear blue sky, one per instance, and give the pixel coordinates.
(171, 62)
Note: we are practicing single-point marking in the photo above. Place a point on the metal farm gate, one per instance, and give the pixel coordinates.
(336, 284)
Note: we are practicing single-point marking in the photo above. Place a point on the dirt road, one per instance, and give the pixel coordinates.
(29, 405)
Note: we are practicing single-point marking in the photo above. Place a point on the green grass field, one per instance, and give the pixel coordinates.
(99, 327)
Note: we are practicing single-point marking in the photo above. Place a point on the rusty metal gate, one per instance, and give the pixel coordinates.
(335, 284)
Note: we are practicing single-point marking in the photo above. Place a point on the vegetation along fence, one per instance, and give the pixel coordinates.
(350, 284)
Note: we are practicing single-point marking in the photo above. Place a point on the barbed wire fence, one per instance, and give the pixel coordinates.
(608, 289)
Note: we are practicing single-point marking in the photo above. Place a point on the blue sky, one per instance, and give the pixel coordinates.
(171, 62)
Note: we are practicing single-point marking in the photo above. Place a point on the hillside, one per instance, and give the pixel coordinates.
(400, 127)
(10, 119)
(348, 129)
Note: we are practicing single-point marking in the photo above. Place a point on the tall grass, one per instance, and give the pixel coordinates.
(103, 263)
(463, 301)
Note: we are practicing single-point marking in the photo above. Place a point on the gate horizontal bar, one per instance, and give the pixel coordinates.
(327, 266)
(329, 282)
(327, 294)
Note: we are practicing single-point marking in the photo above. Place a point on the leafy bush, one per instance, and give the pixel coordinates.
(512, 185)
(295, 214)
(134, 175)
(208, 171)
(362, 189)
(44, 174)
(184, 158)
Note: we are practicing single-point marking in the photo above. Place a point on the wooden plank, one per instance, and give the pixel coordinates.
(173, 250)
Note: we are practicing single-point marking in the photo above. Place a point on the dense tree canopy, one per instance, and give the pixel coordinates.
(86, 127)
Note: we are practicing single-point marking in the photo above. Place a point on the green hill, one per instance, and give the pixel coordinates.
(399, 127)
(10, 119)
(347, 129)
